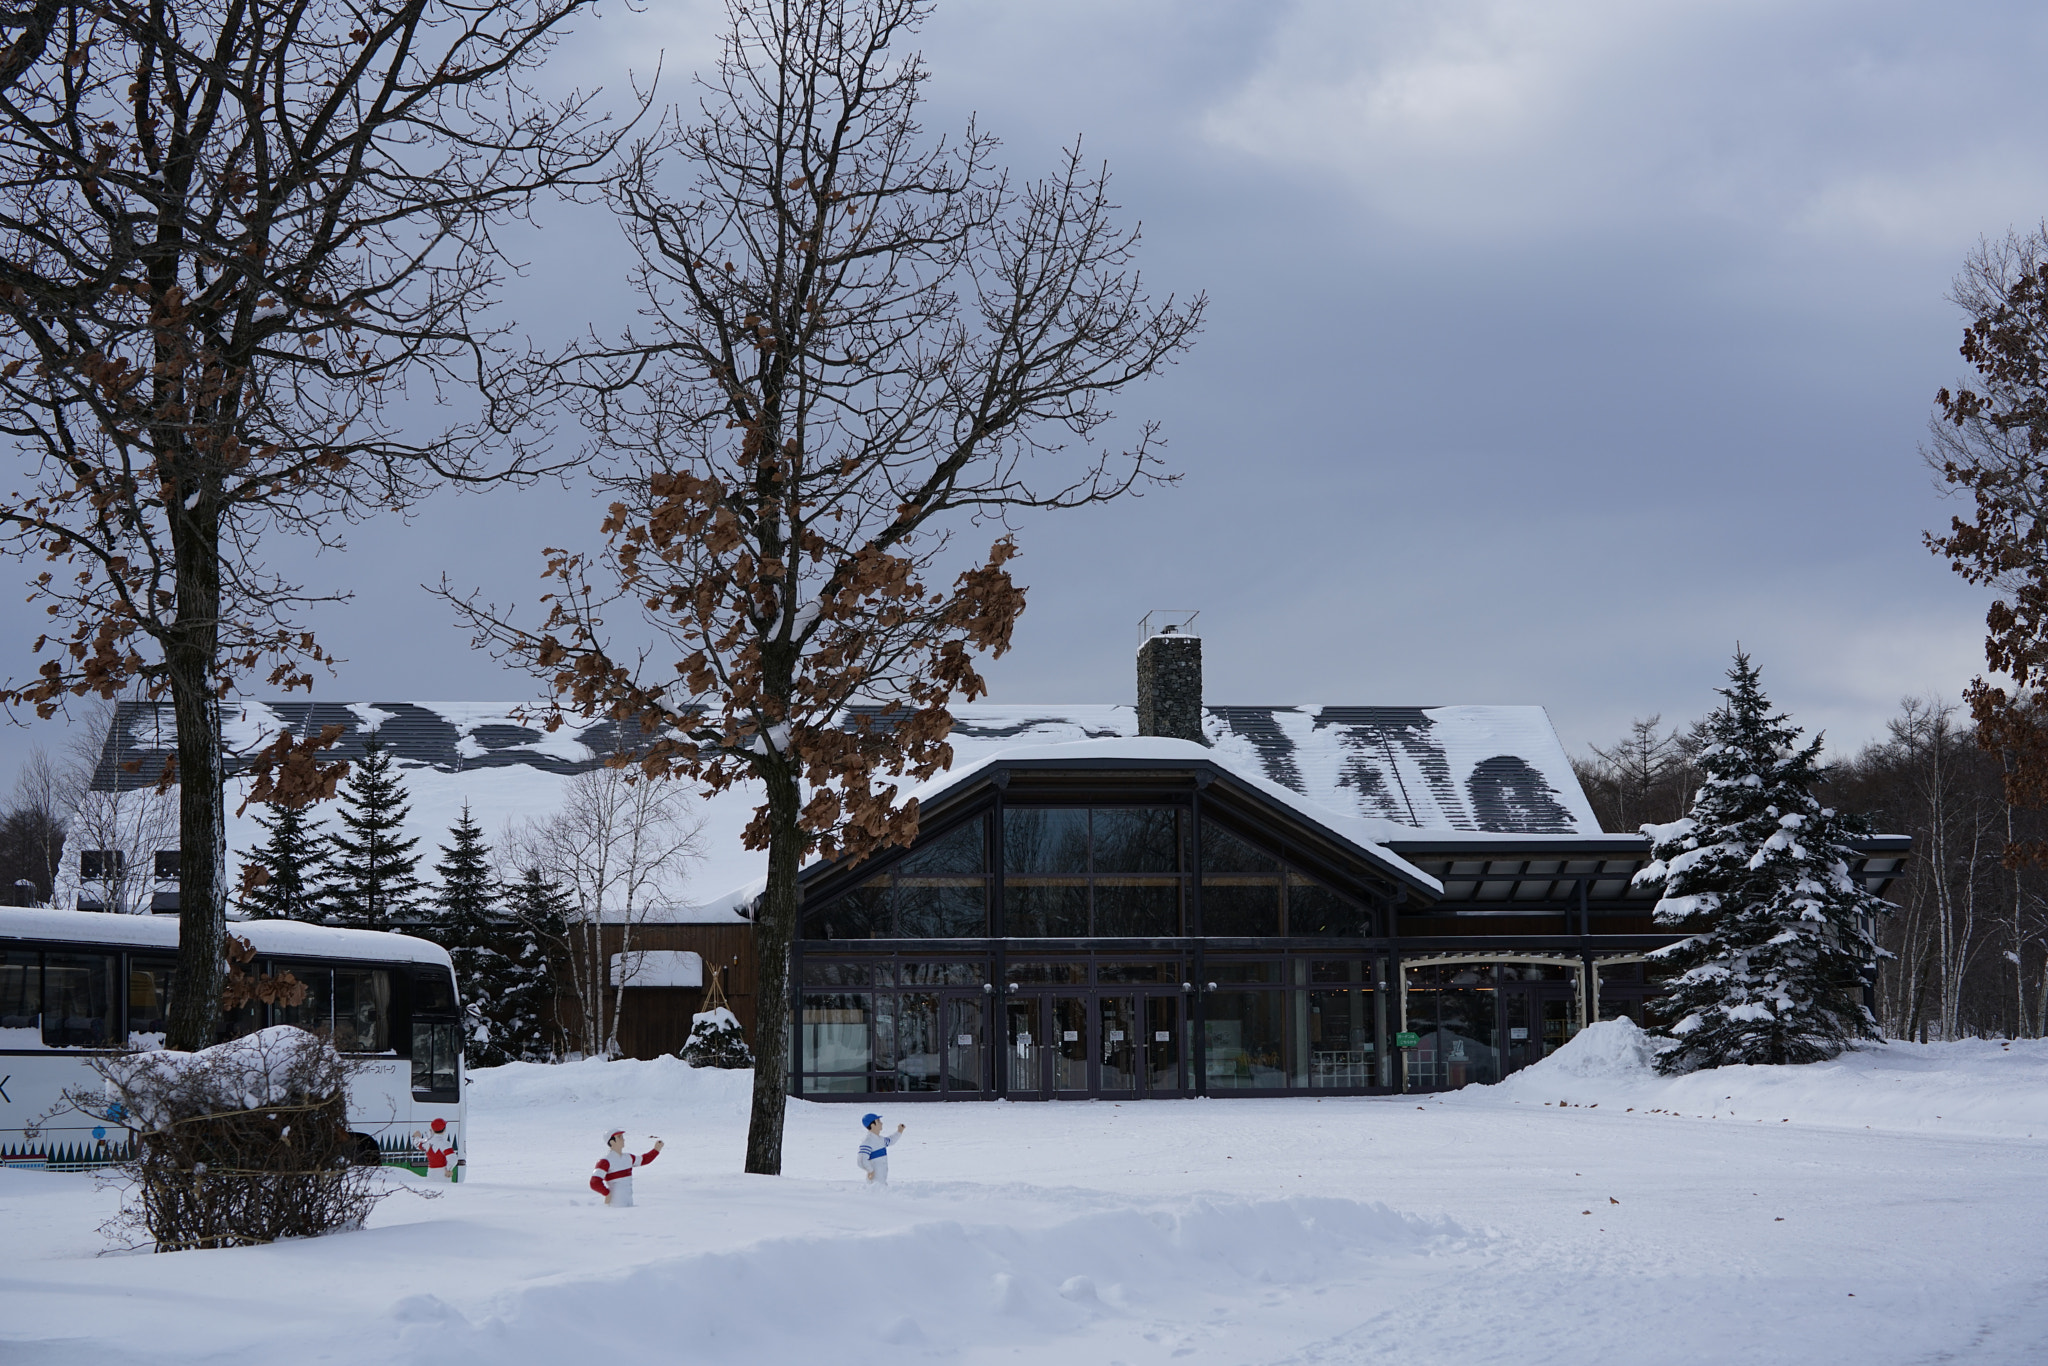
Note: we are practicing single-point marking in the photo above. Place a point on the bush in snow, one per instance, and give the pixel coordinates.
(715, 1041)
(242, 1143)
(1779, 938)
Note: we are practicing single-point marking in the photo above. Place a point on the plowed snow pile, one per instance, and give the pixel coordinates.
(1888, 1207)
(1978, 1086)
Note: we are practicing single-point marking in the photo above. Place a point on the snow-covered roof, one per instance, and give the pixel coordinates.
(1499, 769)
(284, 938)
(1370, 774)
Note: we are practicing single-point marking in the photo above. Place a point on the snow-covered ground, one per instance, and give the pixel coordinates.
(1888, 1207)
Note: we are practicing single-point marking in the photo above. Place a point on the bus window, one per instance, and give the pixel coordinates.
(78, 1000)
(21, 996)
(362, 1010)
(433, 992)
(236, 1023)
(316, 1012)
(149, 997)
(436, 1065)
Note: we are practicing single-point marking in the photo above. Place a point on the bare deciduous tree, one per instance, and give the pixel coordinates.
(32, 832)
(235, 235)
(1989, 439)
(856, 337)
(122, 825)
(1967, 937)
(1648, 776)
(622, 848)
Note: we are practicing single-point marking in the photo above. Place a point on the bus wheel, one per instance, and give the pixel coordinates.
(365, 1153)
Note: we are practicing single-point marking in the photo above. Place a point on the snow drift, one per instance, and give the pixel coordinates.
(934, 1288)
(1972, 1086)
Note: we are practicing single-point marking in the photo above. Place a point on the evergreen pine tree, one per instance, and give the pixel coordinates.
(375, 886)
(466, 924)
(463, 903)
(519, 1017)
(294, 855)
(1758, 875)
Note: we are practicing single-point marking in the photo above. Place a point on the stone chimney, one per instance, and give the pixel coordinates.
(1170, 677)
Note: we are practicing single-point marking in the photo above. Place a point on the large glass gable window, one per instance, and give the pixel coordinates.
(938, 892)
(1072, 872)
(1247, 891)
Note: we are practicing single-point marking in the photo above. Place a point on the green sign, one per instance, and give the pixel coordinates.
(1406, 1040)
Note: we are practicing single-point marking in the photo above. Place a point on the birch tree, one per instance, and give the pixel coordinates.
(621, 847)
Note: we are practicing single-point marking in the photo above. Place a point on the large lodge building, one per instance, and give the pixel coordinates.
(1171, 900)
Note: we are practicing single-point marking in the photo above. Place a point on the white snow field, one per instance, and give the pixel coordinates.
(1888, 1207)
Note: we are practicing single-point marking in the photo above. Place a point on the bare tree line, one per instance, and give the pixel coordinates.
(1968, 945)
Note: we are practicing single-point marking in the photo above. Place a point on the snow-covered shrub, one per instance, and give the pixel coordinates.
(716, 1041)
(245, 1142)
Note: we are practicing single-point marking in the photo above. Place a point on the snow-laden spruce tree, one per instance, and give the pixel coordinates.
(282, 879)
(375, 879)
(466, 922)
(1778, 937)
(522, 1010)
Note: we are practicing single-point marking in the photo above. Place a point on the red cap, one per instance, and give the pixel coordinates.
(439, 1124)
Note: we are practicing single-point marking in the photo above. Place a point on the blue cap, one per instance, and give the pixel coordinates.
(868, 1121)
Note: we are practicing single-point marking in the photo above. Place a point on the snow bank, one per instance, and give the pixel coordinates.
(661, 1086)
(1973, 1086)
(931, 1289)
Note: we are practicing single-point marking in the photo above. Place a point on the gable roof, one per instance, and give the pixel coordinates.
(1456, 771)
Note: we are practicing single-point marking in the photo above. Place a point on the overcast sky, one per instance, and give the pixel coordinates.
(1553, 349)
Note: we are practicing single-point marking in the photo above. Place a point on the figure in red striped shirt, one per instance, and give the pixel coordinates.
(613, 1178)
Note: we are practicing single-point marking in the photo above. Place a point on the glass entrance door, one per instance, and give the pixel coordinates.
(966, 1059)
(1107, 1044)
(1165, 1045)
(1118, 1045)
(1536, 1021)
(1025, 1054)
(1070, 1046)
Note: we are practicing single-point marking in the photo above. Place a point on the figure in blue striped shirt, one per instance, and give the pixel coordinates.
(874, 1149)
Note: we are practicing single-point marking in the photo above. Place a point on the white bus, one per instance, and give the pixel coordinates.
(75, 983)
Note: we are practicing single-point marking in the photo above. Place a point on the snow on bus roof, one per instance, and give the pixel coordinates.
(284, 938)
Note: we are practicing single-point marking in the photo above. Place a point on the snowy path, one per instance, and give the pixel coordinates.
(1274, 1231)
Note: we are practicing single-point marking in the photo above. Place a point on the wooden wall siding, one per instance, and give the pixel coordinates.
(656, 1020)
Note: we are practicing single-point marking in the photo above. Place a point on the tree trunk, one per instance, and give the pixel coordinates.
(202, 828)
(774, 931)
